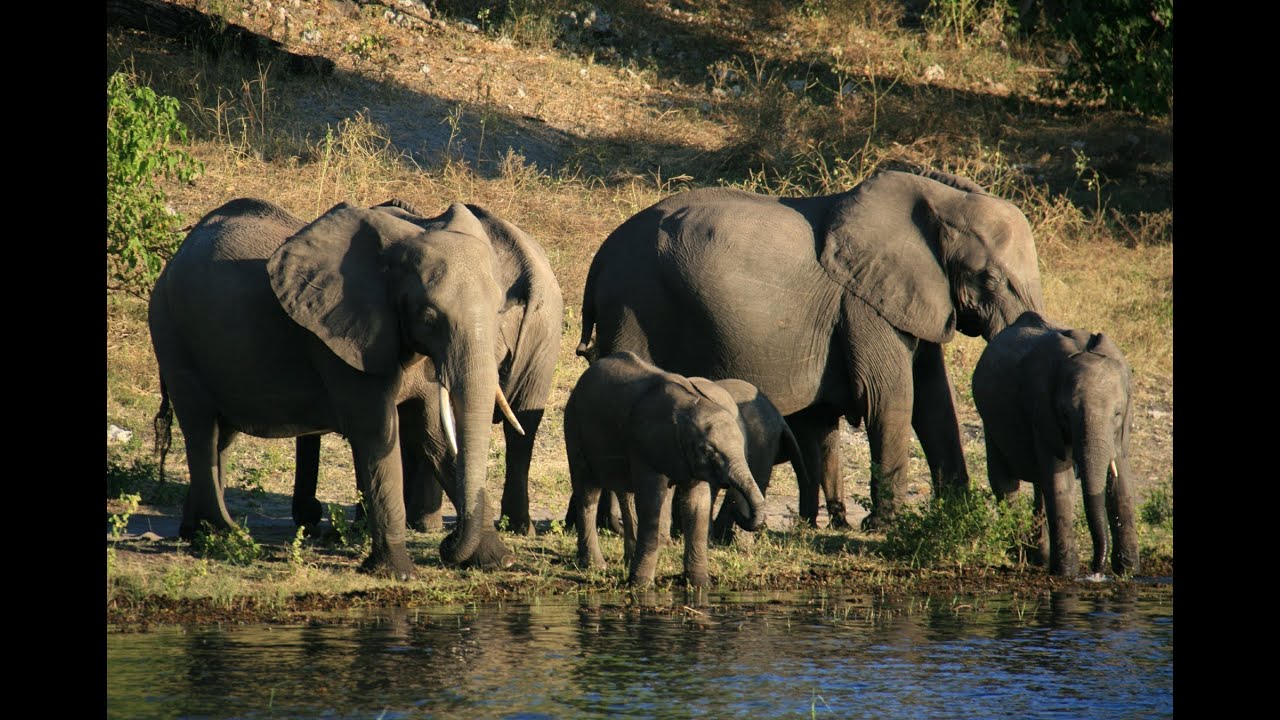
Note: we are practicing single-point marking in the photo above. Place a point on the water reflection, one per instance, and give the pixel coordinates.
(1075, 654)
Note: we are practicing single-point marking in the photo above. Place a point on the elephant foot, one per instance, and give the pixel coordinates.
(428, 522)
(307, 513)
(491, 552)
(391, 561)
(190, 528)
(639, 581)
(876, 522)
(836, 518)
(697, 580)
(522, 528)
(588, 563)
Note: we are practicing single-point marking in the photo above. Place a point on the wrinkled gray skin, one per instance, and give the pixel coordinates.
(769, 442)
(265, 326)
(1055, 401)
(832, 306)
(633, 429)
(528, 343)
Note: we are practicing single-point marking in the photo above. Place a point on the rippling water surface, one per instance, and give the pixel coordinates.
(1073, 654)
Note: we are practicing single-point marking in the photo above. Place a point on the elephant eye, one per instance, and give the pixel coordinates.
(429, 315)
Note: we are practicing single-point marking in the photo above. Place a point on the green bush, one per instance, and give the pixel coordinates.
(964, 529)
(1126, 51)
(142, 232)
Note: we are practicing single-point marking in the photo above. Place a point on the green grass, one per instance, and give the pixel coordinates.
(633, 122)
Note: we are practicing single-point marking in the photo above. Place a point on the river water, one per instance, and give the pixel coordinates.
(1069, 654)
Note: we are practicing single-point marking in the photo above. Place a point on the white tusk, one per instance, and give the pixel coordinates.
(1114, 472)
(506, 411)
(446, 419)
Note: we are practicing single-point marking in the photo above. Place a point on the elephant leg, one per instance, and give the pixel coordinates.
(589, 555)
(1004, 484)
(818, 434)
(651, 491)
(1040, 527)
(609, 514)
(723, 527)
(375, 451)
(199, 423)
(306, 475)
(1120, 509)
(630, 526)
(1059, 501)
(696, 516)
(515, 490)
(885, 385)
(425, 462)
(667, 522)
(933, 416)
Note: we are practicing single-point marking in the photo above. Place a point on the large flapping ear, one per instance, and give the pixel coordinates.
(881, 243)
(330, 279)
(530, 321)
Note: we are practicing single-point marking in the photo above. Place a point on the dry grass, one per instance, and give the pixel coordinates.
(567, 142)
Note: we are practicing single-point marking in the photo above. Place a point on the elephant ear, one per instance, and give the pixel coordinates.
(529, 324)
(330, 278)
(713, 392)
(881, 243)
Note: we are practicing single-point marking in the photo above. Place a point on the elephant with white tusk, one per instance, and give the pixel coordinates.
(265, 325)
(1056, 402)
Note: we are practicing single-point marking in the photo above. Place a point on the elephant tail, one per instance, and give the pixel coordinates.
(163, 426)
(585, 349)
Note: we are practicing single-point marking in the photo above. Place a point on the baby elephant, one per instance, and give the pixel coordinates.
(1055, 401)
(632, 428)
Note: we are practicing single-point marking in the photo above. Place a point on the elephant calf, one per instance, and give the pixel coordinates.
(1056, 401)
(636, 430)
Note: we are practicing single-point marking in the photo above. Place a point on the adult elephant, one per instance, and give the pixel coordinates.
(264, 326)
(527, 344)
(832, 306)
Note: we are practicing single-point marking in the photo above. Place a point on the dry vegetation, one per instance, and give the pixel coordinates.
(567, 132)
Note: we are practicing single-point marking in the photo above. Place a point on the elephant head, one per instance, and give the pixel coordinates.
(1092, 406)
(382, 293)
(933, 255)
(714, 448)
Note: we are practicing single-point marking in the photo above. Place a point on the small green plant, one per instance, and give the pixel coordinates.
(122, 479)
(1157, 509)
(557, 526)
(178, 577)
(504, 523)
(350, 533)
(142, 230)
(235, 546)
(254, 480)
(295, 547)
(965, 528)
(367, 47)
(120, 521)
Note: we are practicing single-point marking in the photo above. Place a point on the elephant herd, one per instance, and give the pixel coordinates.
(726, 331)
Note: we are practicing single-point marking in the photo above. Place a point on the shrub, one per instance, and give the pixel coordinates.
(1126, 52)
(142, 231)
(965, 528)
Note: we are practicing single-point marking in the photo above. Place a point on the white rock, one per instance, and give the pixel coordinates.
(425, 69)
(934, 73)
(520, 92)
(118, 434)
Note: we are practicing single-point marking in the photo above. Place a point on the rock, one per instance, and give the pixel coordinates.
(934, 73)
(425, 69)
(796, 85)
(311, 36)
(520, 92)
(848, 90)
(582, 72)
(470, 27)
(116, 434)
(1158, 414)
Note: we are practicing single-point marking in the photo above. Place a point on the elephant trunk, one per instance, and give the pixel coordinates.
(471, 378)
(1094, 456)
(749, 503)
